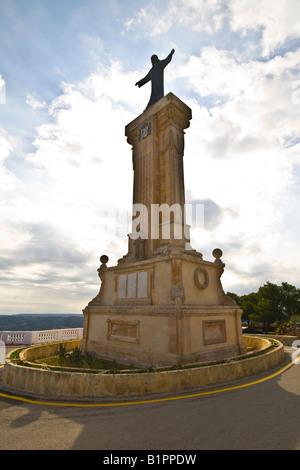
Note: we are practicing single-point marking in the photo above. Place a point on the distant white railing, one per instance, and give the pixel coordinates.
(43, 336)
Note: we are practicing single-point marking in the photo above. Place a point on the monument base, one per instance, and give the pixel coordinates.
(164, 337)
(164, 311)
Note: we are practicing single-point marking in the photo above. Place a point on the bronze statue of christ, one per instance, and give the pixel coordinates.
(156, 75)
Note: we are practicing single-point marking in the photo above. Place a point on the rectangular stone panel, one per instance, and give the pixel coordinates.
(122, 287)
(142, 292)
(122, 330)
(214, 331)
(131, 286)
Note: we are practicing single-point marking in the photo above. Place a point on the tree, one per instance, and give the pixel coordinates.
(235, 297)
(290, 300)
(272, 305)
(248, 305)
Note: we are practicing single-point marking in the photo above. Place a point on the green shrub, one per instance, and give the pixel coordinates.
(76, 355)
(90, 359)
(62, 351)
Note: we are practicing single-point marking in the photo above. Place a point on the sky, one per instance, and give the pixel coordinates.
(68, 70)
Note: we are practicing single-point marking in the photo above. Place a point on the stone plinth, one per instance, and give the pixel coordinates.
(167, 310)
(162, 304)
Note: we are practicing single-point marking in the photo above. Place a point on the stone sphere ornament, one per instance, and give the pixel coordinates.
(217, 253)
(104, 259)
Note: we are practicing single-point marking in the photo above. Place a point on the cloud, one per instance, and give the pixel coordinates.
(6, 145)
(42, 243)
(243, 155)
(153, 20)
(82, 152)
(7, 178)
(277, 21)
(94, 46)
(34, 103)
(224, 76)
(218, 73)
(40, 255)
(212, 213)
(81, 170)
(80, 173)
(258, 111)
(274, 24)
(41, 262)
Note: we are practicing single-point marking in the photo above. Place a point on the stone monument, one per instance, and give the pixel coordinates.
(162, 304)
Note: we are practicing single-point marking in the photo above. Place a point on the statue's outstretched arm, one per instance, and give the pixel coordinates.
(143, 80)
(168, 58)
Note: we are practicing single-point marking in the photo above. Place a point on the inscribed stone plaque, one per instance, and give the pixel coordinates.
(131, 286)
(214, 331)
(120, 330)
(122, 286)
(123, 329)
(142, 285)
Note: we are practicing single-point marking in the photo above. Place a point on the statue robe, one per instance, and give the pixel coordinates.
(156, 75)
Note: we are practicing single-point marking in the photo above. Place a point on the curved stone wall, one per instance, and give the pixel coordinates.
(87, 385)
(46, 350)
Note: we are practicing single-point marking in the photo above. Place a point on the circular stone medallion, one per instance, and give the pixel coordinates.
(201, 277)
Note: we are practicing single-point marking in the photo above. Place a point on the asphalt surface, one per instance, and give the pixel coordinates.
(261, 416)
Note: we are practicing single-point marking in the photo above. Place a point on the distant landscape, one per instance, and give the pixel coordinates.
(40, 321)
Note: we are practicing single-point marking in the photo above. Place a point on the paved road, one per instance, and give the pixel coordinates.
(265, 415)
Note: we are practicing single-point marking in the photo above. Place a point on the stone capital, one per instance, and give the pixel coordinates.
(168, 110)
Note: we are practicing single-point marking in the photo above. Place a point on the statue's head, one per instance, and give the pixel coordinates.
(154, 59)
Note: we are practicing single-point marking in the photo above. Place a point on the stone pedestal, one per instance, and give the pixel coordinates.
(162, 304)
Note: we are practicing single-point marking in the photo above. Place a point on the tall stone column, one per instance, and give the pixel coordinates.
(157, 139)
